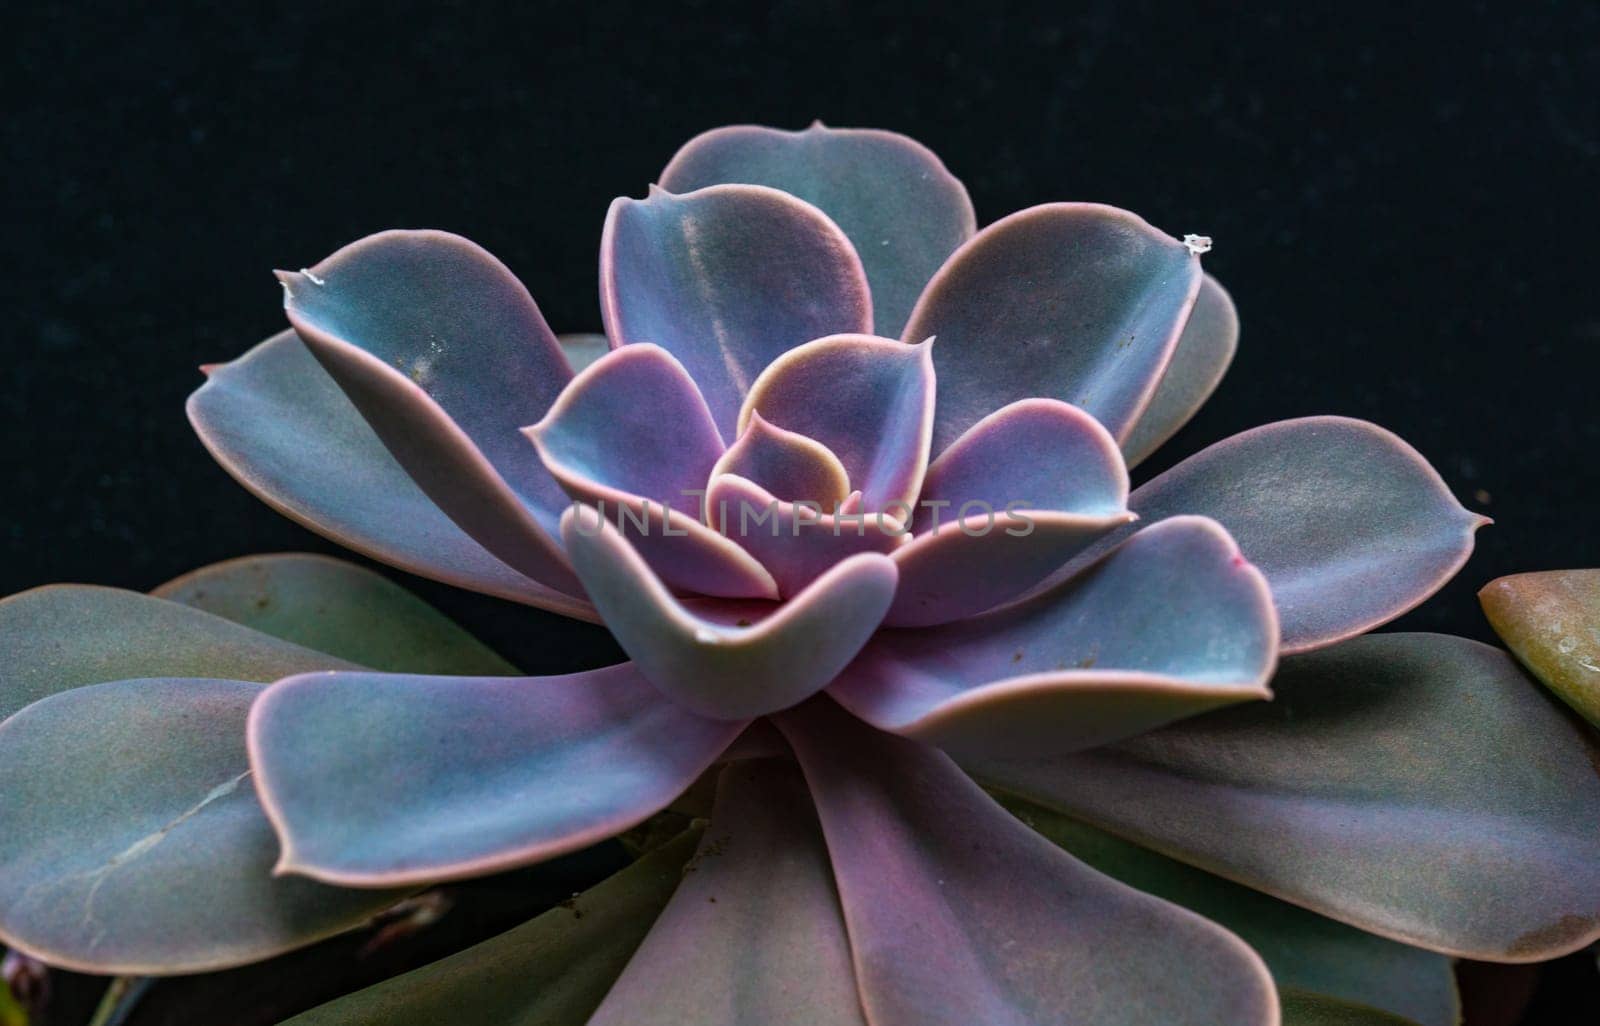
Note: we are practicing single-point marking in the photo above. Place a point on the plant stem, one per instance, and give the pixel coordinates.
(120, 998)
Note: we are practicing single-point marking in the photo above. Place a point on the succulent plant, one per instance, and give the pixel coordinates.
(1551, 621)
(948, 593)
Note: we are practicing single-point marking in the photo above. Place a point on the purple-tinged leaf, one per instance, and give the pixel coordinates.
(633, 423)
(1072, 301)
(1204, 351)
(791, 466)
(65, 636)
(383, 779)
(869, 400)
(445, 354)
(279, 424)
(1417, 786)
(891, 195)
(1042, 454)
(729, 660)
(132, 842)
(754, 933)
(970, 566)
(795, 543)
(1350, 524)
(958, 914)
(1551, 622)
(1052, 463)
(335, 607)
(1307, 953)
(1173, 623)
(554, 969)
(727, 279)
(633, 436)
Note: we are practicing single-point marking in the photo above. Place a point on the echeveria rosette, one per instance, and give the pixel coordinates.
(809, 316)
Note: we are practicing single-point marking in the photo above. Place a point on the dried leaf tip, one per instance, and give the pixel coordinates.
(1197, 244)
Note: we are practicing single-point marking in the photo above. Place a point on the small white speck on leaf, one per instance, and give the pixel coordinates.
(313, 278)
(706, 636)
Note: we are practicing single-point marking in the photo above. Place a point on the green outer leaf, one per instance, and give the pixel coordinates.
(1303, 1009)
(336, 607)
(133, 842)
(67, 635)
(1306, 952)
(551, 971)
(1551, 621)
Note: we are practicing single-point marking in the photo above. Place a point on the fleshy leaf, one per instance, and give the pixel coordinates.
(279, 424)
(795, 543)
(791, 466)
(632, 436)
(334, 607)
(892, 196)
(1205, 349)
(754, 934)
(869, 400)
(1072, 301)
(727, 279)
(634, 422)
(554, 969)
(446, 356)
(382, 779)
(1306, 953)
(1350, 524)
(959, 914)
(1053, 464)
(583, 348)
(1173, 623)
(132, 842)
(1551, 621)
(1417, 786)
(65, 636)
(729, 660)
(1305, 1009)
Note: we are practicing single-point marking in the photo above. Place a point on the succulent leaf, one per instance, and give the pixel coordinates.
(1173, 623)
(1071, 301)
(385, 779)
(1350, 524)
(1308, 954)
(724, 659)
(971, 554)
(279, 424)
(791, 466)
(633, 436)
(65, 636)
(553, 969)
(959, 914)
(726, 279)
(1551, 622)
(754, 933)
(132, 841)
(583, 348)
(1417, 786)
(1306, 1009)
(419, 328)
(1205, 349)
(795, 543)
(335, 607)
(891, 195)
(869, 400)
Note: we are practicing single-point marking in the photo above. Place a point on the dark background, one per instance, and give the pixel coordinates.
(1403, 200)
